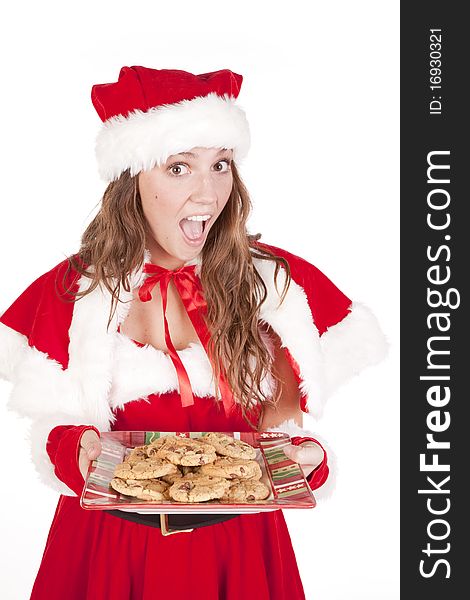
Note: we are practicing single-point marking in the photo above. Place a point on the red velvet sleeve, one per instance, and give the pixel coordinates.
(63, 445)
(21, 314)
(319, 475)
(328, 304)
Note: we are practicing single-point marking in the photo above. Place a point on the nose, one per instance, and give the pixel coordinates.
(205, 190)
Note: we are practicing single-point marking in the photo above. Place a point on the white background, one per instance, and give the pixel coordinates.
(321, 94)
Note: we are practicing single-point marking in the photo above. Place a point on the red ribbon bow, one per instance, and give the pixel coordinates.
(190, 290)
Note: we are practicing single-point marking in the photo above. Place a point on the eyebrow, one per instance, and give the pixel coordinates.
(192, 155)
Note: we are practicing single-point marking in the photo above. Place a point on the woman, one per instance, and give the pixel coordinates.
(170, 317)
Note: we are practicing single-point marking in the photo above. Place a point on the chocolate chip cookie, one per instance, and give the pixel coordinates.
(198, 488)
(242, 490)
(172, 477)
(136, 455)
(148, 468)
(185, 451)
(232, 468)
(150, 490)
(153, 446)
(229, 446)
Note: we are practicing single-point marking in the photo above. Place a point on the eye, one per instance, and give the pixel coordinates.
(173, 169)
(220, 163)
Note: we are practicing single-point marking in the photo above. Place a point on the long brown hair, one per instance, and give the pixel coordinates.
(114, 243)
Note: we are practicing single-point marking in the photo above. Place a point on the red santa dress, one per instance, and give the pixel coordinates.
(70, 373)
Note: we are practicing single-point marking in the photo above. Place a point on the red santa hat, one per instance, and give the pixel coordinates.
(150, 114)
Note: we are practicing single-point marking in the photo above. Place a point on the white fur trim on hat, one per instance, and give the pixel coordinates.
(144, 139)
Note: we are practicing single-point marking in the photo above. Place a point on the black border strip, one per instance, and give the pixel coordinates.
(435, 239)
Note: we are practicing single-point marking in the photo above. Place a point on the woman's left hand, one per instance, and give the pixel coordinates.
(308, 455)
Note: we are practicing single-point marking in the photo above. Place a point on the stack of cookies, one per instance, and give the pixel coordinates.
(212, 467)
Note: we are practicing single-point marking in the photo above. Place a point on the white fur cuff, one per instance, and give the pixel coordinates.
(351, 345)
(37, 436)
(13, 347)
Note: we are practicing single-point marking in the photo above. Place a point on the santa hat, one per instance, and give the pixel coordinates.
(150, 114)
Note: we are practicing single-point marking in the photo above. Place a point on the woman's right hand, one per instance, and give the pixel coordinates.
(90, 448)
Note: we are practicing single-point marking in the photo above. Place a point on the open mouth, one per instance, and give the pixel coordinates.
(194, 231)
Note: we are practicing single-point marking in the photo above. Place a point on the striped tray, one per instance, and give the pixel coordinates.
(284, 478)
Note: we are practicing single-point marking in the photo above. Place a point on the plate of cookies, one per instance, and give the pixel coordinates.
(181, 472)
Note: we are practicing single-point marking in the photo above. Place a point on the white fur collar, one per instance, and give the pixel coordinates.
(96, 380)
(141, 371)
(292, 321)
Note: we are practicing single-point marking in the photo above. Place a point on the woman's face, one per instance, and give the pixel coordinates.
(189, 184)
